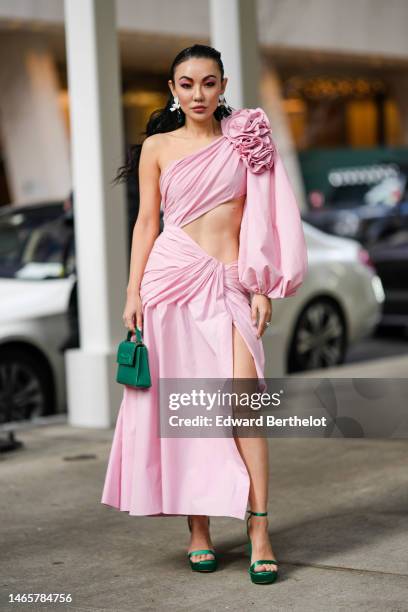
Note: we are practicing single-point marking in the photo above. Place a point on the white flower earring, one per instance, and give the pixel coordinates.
(223, 102)
(176, 104)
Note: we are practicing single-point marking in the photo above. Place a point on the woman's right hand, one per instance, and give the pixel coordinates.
(133, 312)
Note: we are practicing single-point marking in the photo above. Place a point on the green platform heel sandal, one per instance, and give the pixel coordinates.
(208, 565)
(260, 577)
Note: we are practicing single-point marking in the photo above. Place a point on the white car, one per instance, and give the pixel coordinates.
(338, 303)
(36, 282)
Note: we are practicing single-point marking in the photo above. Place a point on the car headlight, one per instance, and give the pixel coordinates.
(378, 288)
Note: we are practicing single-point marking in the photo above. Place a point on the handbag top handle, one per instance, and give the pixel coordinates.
(138, 335)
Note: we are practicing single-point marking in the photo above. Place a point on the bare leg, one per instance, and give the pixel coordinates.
(200, 537)
(254, 452)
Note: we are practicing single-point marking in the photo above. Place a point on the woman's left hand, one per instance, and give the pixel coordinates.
(261, 309)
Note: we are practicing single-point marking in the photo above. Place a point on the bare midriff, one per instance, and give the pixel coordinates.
(217, 231)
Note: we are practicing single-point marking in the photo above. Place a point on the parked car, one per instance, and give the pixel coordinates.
(16, 226)
(394, 220)
(36, 280)
(390, 257)
(338, 304)
(36, 261)
(355, 207)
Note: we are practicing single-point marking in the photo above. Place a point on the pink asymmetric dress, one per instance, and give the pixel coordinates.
(190, 302)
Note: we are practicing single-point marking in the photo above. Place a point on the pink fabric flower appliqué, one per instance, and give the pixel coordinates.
(249, 131)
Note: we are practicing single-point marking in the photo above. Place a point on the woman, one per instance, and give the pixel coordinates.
(201, 291)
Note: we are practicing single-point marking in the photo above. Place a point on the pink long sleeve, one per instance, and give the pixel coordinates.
(273, 255)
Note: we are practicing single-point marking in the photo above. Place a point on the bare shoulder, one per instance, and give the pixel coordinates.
(156, 148)
(151, 144)
(150, 152)
(157, 141)
(155, 144)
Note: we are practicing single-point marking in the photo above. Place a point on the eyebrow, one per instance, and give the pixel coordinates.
(190, 79)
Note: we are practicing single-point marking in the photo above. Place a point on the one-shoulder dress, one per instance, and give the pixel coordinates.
(190, 302)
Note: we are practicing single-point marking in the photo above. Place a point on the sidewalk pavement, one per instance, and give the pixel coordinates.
(338, 524)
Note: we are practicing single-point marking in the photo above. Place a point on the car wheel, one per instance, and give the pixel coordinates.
(319, 339)
(25, 389)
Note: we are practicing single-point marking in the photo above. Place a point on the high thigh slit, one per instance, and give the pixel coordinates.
(190, 301)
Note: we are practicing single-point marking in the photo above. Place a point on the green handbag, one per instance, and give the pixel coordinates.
(133, 364)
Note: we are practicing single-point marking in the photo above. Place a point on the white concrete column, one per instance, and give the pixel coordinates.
(272, 103)
(233, 27)
(99, 210)
(34, 135)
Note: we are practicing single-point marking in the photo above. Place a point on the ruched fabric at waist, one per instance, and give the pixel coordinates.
(179, 269)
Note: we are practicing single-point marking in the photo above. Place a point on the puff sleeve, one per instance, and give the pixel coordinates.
(272, 248)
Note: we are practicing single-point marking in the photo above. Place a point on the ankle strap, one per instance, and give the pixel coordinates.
(258, 513)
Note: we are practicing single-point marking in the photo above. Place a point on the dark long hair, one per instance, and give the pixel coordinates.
(163, 119)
